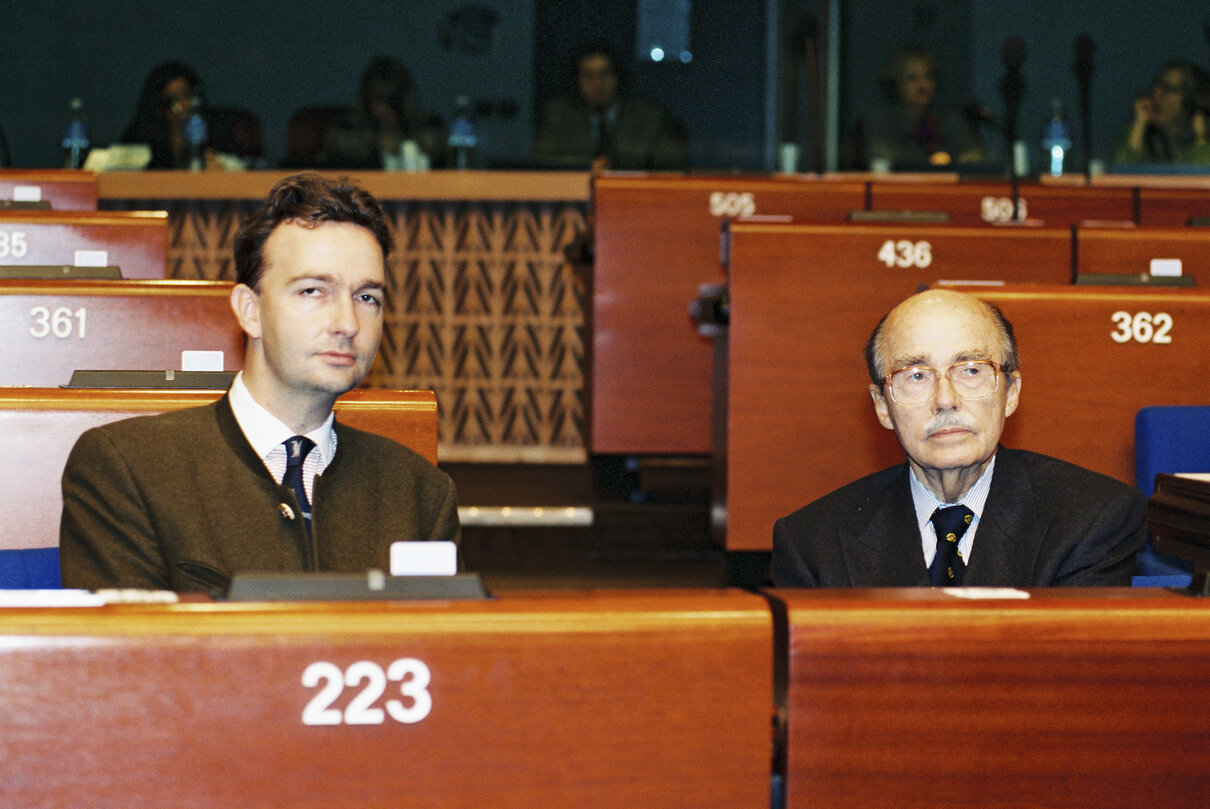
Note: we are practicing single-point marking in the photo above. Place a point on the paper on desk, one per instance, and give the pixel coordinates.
(984, 592)
(50, 598)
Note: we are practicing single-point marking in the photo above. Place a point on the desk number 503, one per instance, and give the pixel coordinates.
(411, 674)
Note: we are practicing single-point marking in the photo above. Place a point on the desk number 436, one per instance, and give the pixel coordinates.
(411, 674)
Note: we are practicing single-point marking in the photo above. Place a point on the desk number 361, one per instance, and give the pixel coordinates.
(411, 674)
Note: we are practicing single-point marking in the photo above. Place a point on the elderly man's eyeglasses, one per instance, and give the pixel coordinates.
(917, 384)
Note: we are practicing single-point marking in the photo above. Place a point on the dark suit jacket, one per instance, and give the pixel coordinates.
(1046, 522)
(181, 501)
(644, 135)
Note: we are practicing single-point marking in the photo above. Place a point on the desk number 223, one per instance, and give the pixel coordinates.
(411, 674)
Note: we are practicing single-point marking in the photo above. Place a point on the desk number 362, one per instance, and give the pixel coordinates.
(411, 674)
(1142, 327)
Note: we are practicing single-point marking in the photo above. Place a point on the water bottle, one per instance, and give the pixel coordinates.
(195, 134)
(75, 138)
(462, 140)
(1056, 141)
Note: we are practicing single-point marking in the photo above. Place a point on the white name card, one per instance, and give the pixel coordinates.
(424, 558)
(27, 193)
(91, 258)
(1166, 267)
(201, 360)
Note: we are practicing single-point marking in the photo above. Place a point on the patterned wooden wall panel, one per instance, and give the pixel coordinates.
(482, 308)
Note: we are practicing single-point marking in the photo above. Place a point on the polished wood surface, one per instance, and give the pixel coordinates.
(1091, 699)
(426, 185)
(52, 328)
(134, 241)
(635, 699)
(656, 241)
(1130, 250)
(972, 203)
(64, 189)
(804, 299)
(1081, 387)
(39, 426)
(1172, 206)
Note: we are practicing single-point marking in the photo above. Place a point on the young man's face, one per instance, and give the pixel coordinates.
(315, 319)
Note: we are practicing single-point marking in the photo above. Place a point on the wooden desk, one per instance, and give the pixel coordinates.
(657, 240)
(657, 699)
(39, 426)
(64, 189)
(135, 241)
(804, 299)
(1172, 207)
(1127, 347)
(50, 328)
(973, 203)
(1163, 199)
(1129, 251)
(1085, 699)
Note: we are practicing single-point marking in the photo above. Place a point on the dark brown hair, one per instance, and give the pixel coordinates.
(307, 199)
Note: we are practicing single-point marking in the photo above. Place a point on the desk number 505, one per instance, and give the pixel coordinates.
(411, 674)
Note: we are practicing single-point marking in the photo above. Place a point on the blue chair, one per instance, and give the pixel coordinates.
(1168, 440)
(30, 569)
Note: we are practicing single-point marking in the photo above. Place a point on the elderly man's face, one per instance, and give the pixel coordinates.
(937, 329)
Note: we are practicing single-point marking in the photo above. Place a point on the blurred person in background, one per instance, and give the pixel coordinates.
(1170, 122)
(912, 131)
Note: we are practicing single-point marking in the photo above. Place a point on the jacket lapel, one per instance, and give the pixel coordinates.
(1010, 529)
(885, 547)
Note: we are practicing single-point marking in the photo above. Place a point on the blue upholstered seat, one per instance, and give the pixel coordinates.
(30, 569)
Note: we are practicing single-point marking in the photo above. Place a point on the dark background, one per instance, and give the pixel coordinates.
(274, 57)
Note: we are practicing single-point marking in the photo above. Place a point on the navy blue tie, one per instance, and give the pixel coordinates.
(297, 449)
(951, 523)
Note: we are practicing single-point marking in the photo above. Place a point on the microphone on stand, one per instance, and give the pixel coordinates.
(1012, 88)
(808, 35)
(1083, 67)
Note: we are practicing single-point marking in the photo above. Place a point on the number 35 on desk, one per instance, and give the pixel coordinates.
(411, 674)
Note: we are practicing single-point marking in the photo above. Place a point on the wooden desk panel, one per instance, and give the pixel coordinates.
(804, 300)
(134, 241)
(64, 189)
(39, 426)
(50, 328)
(1129, 348)
(1129, 251)
(1172, 206)
(659, 699)
(1078, 699)
(657, 240)
(978, 203)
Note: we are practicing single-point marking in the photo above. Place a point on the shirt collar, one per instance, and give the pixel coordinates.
(265, 432)
(926, 502)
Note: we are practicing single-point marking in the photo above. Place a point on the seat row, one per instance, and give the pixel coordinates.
(600, 699)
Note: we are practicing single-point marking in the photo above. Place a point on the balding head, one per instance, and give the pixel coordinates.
(927, 304)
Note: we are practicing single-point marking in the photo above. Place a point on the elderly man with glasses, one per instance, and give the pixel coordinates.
(962, 510)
